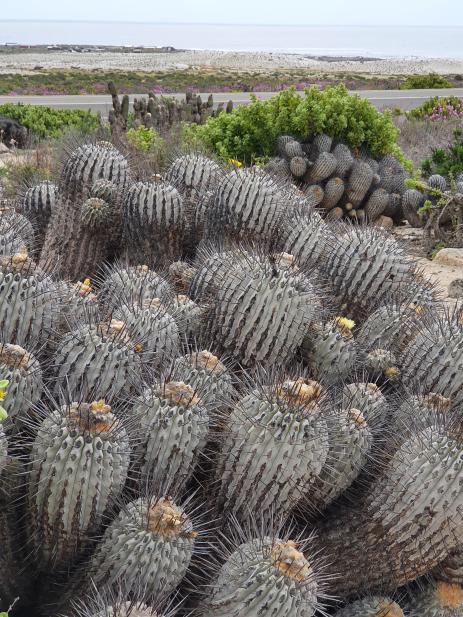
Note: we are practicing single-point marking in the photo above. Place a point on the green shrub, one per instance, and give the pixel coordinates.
(432, 80)
(144, 139)
(251, 131)
(427, 109)
(45, 122)
(446, 162)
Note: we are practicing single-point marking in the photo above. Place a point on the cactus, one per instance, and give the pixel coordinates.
(412, 200)
(436, 599)
(360, 179)
(98, 358)
(344, 160)
(366, 266)
(281, 144)
(324, 166)
(306, 238)
(293, 148)
(37, 205)
(154, 222)
(376, 204)
(29, 306)
(410, 516)
(206, 374)
(322, 143)
(147, 548)
(314, 195)
(371, 606)
(262, 309)
(153, 327)
(188, 317)
(394, 207)
(16, 232)
(350, 443)
(334, 190)
(22, 370)
(392, 175)
(433, 360)
(330, 351)
(298, 166)
(248, 204)
(131, 285)
(79, 464)
(264, 576)
(193, 172)
(181, 274)
(367, 398)
(437, 182)
(66, 228)
(174, 424)
(276, 444)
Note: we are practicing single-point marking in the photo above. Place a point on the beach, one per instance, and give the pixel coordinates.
(25, 61)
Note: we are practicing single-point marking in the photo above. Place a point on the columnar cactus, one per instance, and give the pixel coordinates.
(99, 359)
(275, 446)
(344, 160)
(264, 576)
(376, 204)
(25, 387)
(29, 306)
(146, 549)
(68, 223)
(154, 220)
(79, 464)
(334, 190)
(323, 167)
(173, 428)
(412, 200)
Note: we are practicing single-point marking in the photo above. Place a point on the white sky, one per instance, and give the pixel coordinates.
(302, 12)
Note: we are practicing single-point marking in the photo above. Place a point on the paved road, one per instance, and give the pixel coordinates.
(405, 99)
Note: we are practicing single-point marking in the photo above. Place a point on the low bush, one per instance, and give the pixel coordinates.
(447, 162)
(144, 139)
(438, 108)
(45, 122)
(431, 80)
(251, 131)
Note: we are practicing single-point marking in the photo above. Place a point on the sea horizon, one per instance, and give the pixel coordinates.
(313, 40)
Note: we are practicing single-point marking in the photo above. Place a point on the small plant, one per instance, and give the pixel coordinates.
(144, 139)
(431, 80)
(437, 247)
(446, 162)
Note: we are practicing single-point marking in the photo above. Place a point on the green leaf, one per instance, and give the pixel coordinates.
(4, 384)
(3, 416)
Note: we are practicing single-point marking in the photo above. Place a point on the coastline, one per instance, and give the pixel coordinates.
(26, 61)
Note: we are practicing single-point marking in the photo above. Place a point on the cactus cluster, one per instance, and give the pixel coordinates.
(350, 184)
(219, 403)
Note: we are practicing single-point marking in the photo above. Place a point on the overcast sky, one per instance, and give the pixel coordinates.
(331, 12)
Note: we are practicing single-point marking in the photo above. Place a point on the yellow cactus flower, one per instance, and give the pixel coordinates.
(3, 392)
(235, 163)
(345, 326)
(391, 372)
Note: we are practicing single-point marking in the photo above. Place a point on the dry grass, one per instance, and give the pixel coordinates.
(419, 138)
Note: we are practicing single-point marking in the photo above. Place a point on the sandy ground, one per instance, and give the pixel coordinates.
(24, 62)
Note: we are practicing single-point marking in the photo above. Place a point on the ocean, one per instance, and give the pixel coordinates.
(373, 41)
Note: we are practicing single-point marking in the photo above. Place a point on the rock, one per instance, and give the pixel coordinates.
(450, 257)
(455, 289)
(384, 221)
